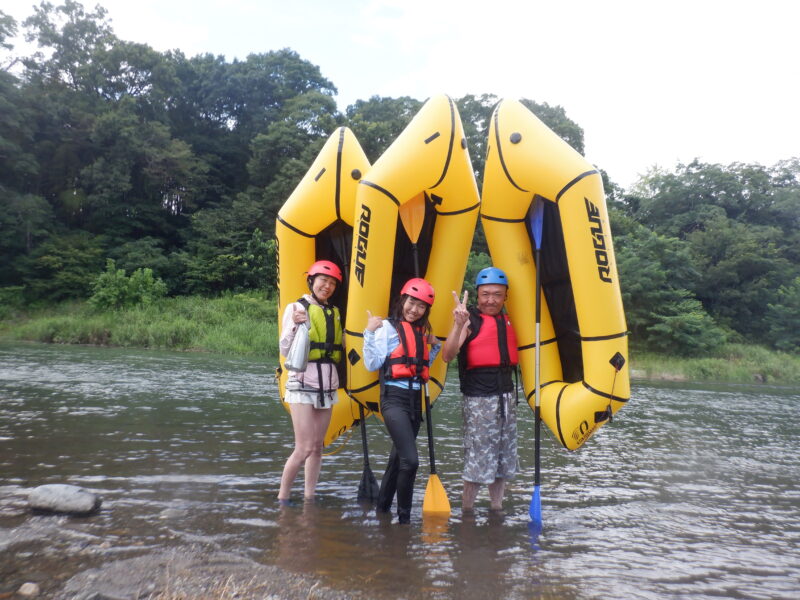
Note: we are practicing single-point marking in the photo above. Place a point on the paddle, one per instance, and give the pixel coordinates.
(435, 501)
(368, 488)
(535, 510)
(412, 215)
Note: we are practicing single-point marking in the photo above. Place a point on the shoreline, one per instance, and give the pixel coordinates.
(246, 325)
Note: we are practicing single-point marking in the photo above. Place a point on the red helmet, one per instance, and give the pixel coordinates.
(326, 267)
(420, 289)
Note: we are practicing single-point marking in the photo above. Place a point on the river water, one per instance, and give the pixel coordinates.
(692, 491)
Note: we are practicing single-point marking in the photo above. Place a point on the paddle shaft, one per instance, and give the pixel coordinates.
(537, 373)
(429, 426)
(363, 436)
(428, 421)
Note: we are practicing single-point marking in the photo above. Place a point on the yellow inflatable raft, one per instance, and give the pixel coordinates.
(316, 223)
(426, 172)
(584, 373)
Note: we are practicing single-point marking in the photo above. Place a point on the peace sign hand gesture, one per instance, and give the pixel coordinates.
(460, 312)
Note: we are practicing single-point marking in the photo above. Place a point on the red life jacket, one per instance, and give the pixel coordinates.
(410, 358)
(495, 344)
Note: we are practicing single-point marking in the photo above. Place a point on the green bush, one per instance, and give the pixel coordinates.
(113, 290)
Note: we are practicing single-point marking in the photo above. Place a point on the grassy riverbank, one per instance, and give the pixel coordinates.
(243, 324)
(246, 324)
(737, 363)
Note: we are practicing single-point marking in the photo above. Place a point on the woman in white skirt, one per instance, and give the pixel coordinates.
(312, 393)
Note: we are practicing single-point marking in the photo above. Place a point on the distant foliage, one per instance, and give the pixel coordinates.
(784, 318)
(662, 314)
(11, 299)
(114, 290)
(726, 236)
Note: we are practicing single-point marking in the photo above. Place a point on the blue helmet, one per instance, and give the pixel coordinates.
(491, 275)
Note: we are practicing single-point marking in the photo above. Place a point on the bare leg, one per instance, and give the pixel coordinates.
(496, 490)
(305, 444)
(322, 418)
(469, 494)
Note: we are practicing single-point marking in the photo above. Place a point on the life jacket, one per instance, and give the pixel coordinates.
(488, 356)
(325, 332)
(410, 358)
(494, 344)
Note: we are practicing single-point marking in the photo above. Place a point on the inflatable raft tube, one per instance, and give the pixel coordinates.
(428, 166)
(584, 351)
(316, 223)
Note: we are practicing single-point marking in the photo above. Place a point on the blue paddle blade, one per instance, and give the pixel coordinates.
(537, 216)
(535, 510)
(534, 530)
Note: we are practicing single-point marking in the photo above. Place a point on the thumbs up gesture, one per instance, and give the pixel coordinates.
(373, 321)
(299, 315)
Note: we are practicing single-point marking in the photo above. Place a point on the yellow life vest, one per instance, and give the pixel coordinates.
(325, 332)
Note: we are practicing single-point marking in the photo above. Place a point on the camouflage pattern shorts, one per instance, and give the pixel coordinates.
(490, 440)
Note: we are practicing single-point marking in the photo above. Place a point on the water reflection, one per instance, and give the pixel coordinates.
(689, 493)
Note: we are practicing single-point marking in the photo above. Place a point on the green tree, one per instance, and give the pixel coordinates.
(260, 262)
(141, 181)
(219, 251)
(742, 272)
(25, 220)
(63, 267)
(72, 36)
(740, 223)
(8, 29)
(662, 314)
(147, 252)
(783, 318)
(476, 114)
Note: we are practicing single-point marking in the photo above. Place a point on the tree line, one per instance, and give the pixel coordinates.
(155, 160)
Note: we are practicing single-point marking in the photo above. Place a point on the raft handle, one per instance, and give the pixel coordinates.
(604, 415)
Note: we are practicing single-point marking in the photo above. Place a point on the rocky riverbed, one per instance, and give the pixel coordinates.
(192, 573)
(52, 556)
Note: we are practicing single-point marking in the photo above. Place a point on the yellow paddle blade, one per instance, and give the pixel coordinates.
(434, 529)
(435, 497)
(412, 215)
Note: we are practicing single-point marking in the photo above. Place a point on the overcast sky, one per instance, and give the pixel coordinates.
(651, 82)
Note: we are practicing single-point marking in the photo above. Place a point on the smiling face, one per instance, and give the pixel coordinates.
(413, 309)
(491, 298)
(323, 287)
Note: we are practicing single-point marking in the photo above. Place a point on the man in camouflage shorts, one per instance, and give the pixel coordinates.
(486, 346)
(490, 440)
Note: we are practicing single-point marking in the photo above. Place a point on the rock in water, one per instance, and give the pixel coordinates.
(63, 498)
(28, 590)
